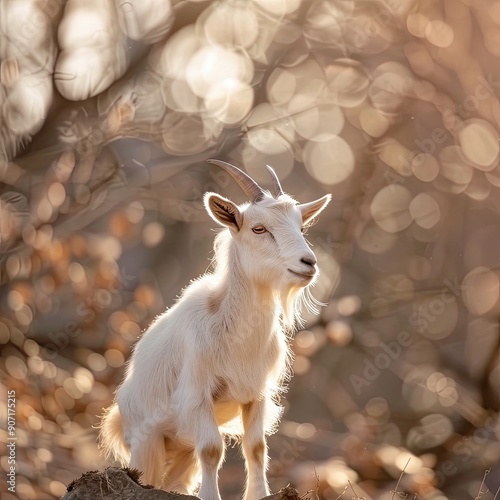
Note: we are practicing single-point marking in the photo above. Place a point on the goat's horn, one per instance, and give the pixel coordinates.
(276, 182)
(251, 188)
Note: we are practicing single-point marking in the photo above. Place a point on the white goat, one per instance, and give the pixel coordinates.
(214, 364)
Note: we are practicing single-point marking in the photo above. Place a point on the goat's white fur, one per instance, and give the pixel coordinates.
(214, 364)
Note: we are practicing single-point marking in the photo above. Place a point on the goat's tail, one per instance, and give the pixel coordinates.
(111, 439)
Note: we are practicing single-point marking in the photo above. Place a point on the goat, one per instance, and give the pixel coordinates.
(214, 365)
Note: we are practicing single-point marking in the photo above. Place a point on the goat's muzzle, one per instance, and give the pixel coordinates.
(306, 277)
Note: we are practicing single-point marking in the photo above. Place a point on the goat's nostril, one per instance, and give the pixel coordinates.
(309, 261)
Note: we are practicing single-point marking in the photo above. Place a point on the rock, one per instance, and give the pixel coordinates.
(116, 483)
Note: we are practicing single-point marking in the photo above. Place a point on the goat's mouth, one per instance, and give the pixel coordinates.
(304, 276)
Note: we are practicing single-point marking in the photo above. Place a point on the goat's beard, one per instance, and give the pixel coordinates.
(294, 300)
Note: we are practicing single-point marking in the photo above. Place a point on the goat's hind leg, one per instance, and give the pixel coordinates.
(148, 456)
(183, 471)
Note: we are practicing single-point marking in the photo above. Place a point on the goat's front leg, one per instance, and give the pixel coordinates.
(209, 448)
(255, 449)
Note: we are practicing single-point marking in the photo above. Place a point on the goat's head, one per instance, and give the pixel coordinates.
(268, 231)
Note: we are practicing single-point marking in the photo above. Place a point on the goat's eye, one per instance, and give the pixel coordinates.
(303, 230)
(259, 229)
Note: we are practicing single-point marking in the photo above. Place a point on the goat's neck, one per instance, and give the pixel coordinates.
(246, 303)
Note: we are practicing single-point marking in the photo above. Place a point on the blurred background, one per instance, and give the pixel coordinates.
(108, 111)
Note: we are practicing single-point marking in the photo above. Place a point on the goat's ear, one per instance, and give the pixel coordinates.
(314, 208)
(223, 211)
